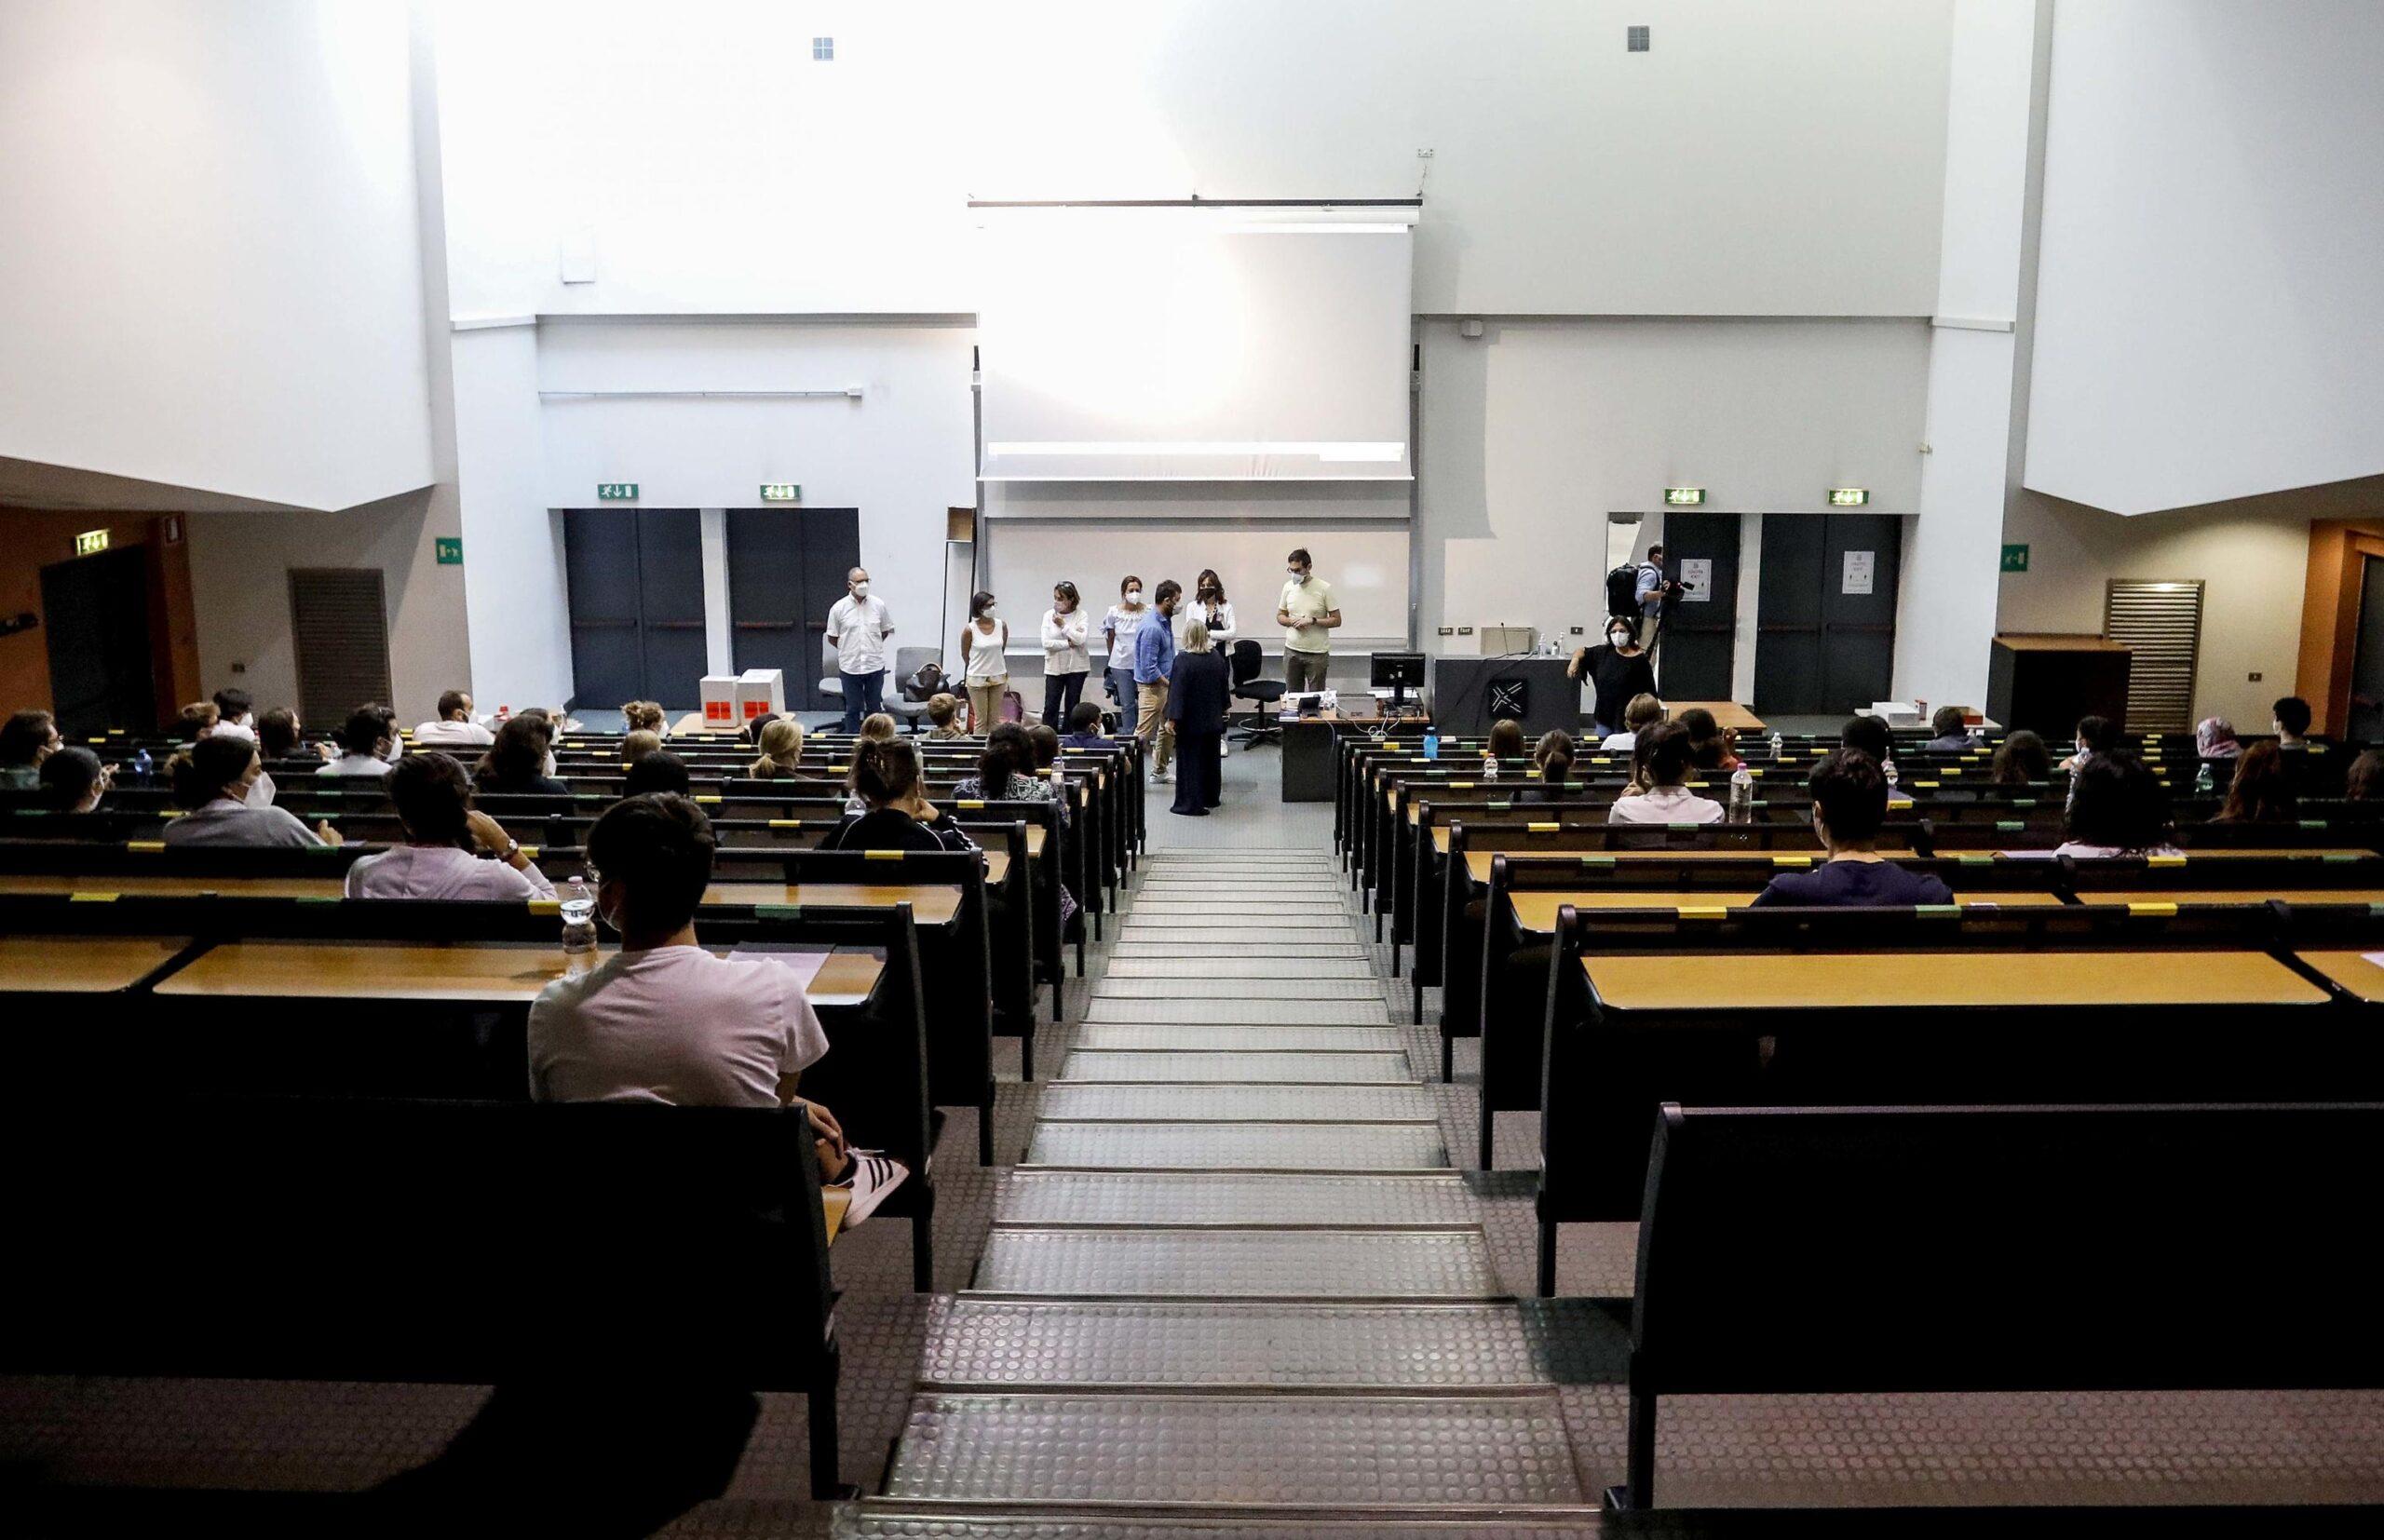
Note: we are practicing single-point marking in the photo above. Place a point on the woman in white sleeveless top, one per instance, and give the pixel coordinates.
(984, 662)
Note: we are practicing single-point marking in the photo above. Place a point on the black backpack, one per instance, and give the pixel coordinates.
(1623, 591)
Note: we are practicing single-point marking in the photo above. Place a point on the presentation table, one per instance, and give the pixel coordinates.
(1309, 748)
(2046, 683)
(1727, 714)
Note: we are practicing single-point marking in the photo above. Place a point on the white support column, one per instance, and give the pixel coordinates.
(719, 653)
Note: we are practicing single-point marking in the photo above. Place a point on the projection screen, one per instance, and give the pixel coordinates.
(1217, 343)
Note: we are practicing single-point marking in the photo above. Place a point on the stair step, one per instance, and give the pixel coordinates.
(1227, 1010)
(1232, 1198)
(1284, 984)
(1293, 963)
(1232, 915)
(1328, 1452)
(1211, 1104)
(1322, 1069)
(1274, 950)
(875, 1519)
(1207, 1264)
(1238, 1146)
(1326, 1039)
(975, 1343)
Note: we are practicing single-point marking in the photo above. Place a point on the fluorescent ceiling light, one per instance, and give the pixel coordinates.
(1326, 450)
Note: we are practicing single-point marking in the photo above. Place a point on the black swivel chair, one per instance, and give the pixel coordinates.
(1248, 659)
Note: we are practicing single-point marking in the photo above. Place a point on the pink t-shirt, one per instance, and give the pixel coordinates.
(676, 1024)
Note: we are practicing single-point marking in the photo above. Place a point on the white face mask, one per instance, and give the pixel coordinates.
(1295, 574)
(860, 589)
(1134, 597)
(989, 612)
(1619, 637)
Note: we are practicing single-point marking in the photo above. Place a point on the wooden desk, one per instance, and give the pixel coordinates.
(161, 886)
(931, 904)
(1537, 910)
(1726, 713)
(1849, 980)
(470, 973)
(2361, 978)
(2356, 897)
(1477, 862)
(82, 965)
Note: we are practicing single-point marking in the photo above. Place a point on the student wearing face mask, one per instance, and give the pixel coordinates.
(1309, 617)
(857, 627)
(984, 662)
(1066, 658)
(1616, 669)
(1117, 629)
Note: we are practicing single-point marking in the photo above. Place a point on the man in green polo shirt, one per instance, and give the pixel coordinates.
(1308, 618)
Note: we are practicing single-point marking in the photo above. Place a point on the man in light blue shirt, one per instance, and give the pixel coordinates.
(1650, 594)
(1154, 663)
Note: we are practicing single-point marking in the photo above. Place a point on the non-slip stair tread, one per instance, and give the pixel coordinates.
(929, 1522)
(1146, 1264)
(1238, 1103)
(1332, 1452)
(1031, 1197)
(1286, 982)
(1227, 1010)
(1238, 1146)
(1230, 916)
(1188, 956)
(1212, 967)
(1192, 1066)
(1217, 1039)
(974, 1342)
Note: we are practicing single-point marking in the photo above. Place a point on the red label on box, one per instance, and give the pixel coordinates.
(716, 711)
(753, 708)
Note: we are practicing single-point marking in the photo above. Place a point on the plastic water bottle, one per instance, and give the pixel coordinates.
(2203, 784)
(1431, 743)
(578, 926)
(1742, 795)
(1775, 746)
(143, 767)
(1489, 767)
(1890, 768)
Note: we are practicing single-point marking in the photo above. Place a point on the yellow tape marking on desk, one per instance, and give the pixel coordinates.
(2164, 860)
(90, 898)
(882, 855)
(144, 848)
(1792, 860)
(1542, 828)
(2153, 911)
(543, 906)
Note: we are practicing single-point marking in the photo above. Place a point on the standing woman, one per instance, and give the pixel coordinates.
(1211, 608)
(1197, 696)
(1117, 629)
(1618, 670)
(984, 663)
(1066, 657)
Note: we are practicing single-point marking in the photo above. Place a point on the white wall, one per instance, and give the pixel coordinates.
(902, 454)
(2211, 290)
(1946, 609)
(1759, 159)
(1534, 432)
(210, 273)
(516, 596)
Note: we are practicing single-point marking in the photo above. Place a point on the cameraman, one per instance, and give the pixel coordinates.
(1654, 592)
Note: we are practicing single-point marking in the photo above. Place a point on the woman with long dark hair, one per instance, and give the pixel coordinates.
(1067, 655)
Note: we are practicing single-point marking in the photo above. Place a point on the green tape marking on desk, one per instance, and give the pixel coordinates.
(778, 912)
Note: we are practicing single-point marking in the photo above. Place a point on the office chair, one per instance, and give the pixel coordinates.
(1248, 659)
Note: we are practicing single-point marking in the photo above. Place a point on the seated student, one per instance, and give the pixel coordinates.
(2214, 739)
(1503, 749)
(1046, 744)
(212, 780)
(782, 745)
(1662, 750)
(895, 816)
(236, 712)
(1711, 746)
(664, 1020)
(879, 725)
(1867, 734)
(660, 771)
(454, 726)
(2262, 790)
(515, 763)
(2292, 723)
(197, 720)
(2096, 735)
(364, 744)
(1952, 730)
(26, 740)
(757, 726)
(1643, 712)
(645, 716)
(2366, 781)
(636, 746)
(2022, 760)
(1850, 803)
(75, 780)
(280, 736)
(434, 801)
(548, 726)
(1084, 729)
(943, 717)
(1551, 757)
(2116, 808)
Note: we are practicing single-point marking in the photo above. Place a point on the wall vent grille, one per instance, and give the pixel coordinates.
(340, 629)
(2162, 622)
(1635, 39)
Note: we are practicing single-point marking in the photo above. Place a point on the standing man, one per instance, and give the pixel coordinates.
(1308, 618)
(1653, 590)
(857, 627)
(1154, 664)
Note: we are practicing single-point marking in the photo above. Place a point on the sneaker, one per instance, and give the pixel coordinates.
(873, 1177)
(1163, 778)
(1224, 748)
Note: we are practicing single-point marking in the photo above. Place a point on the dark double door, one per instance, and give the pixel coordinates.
(1825, 615)
(786, 570)
(102, 666)
(637, 605)
(1694, 659)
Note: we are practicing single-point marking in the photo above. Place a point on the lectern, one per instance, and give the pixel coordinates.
(2046, 683)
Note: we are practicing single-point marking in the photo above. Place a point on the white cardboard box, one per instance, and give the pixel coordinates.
(760, 692)
(718, 693)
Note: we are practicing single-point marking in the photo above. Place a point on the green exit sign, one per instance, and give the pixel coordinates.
(1684, 497)
(2016, 558)
(1849, 497)
(617, 491)
(90, 542)
(781, 491)
(451, 550)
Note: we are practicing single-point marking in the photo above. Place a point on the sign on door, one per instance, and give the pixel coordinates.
(1860, 568)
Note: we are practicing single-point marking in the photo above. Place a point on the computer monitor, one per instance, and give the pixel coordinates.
(1398, 672)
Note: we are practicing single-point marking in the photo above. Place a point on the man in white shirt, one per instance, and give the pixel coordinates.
(453, 727)
(1308, 618)
(666, 1021)
(364, 741)
(857, 627)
